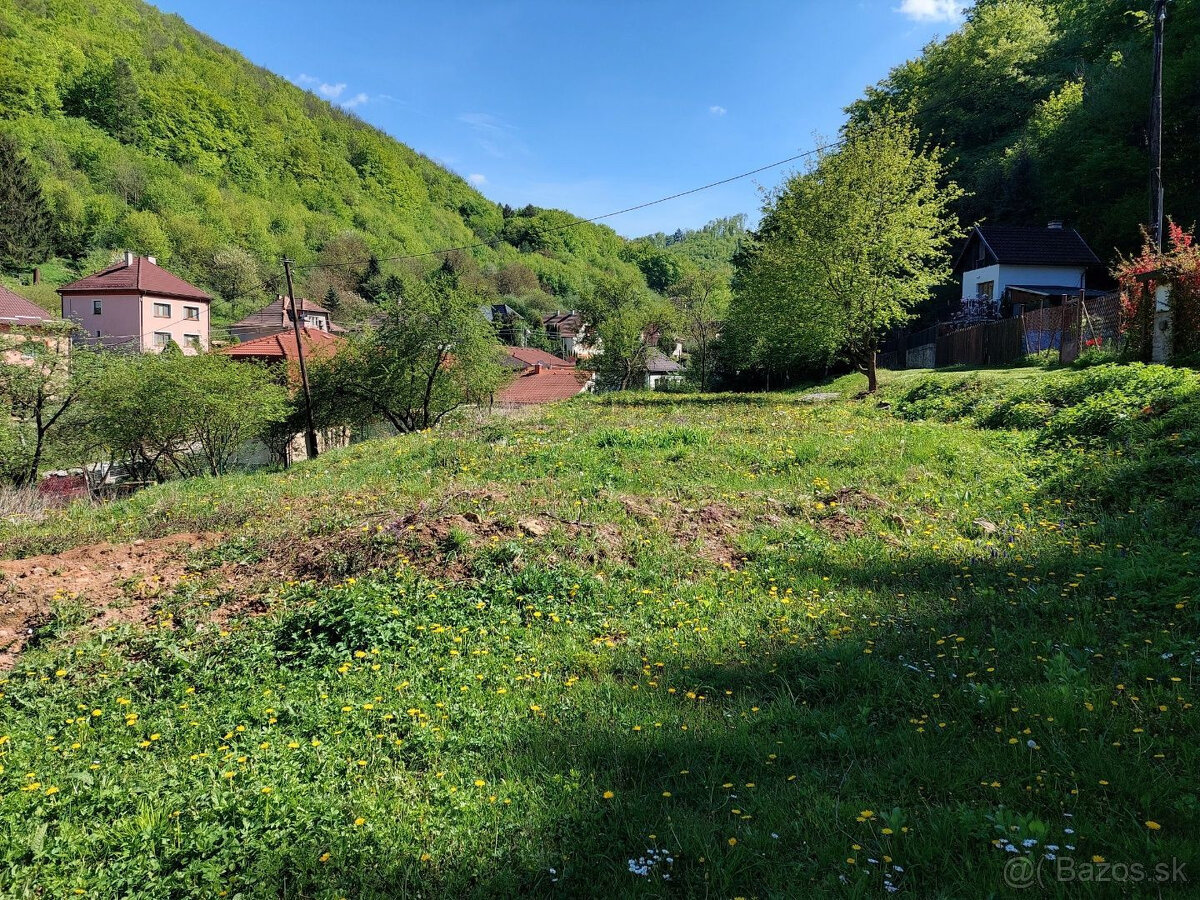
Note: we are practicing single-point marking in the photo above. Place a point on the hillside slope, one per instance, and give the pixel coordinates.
(150, 136)
(745, 643)
(1045, 103)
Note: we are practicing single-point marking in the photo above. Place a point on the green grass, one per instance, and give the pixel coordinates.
(799, 648)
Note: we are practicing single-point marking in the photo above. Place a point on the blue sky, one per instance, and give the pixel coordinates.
(589, 106)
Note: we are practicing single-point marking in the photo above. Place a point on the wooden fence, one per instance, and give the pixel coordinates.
(1070, 328)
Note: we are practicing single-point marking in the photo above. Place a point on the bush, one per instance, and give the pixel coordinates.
(1104, 402)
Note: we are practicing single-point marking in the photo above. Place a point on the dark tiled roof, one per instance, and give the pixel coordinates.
(658, 363)
(283, 345)
(1015, 245)
(547, 386)
(272, 315)
(141, 275)
(565, 324)
(16, 310)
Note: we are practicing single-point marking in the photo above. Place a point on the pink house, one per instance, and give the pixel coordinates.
(137, 304)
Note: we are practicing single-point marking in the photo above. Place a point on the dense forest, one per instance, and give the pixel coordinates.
(1044, 106)
(145, 134)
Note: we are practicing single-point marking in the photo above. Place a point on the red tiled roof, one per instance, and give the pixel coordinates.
(140, 275)
(16, 310)
(522, 357)
(283, 345)
(546, 386)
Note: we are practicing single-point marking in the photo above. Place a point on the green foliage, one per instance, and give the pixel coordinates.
(1105, 403)
(844, 252)
(147, 135)
(167, 413)
(622, 314)
(1043, 104)
(39, 385)
(25, 226)
(711, 247)
(428, 354)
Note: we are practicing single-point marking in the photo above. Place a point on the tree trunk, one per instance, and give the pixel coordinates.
(872, 372)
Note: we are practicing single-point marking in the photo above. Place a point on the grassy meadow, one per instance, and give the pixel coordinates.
(642, 645)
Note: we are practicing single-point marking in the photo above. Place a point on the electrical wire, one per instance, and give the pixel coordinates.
(592, 219)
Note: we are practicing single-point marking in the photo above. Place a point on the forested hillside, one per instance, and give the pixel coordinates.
(147, 135)
(1044, 104)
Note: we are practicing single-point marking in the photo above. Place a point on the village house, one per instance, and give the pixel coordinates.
(540, 384)
(661, 370)
(22, 322)
(274, 317)
(1015, 268)
(136, 304)
(282, 351)
(569, 331)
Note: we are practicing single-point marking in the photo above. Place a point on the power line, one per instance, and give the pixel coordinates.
(594, 219)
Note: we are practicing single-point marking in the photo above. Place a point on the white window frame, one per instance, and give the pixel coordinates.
(162, 315)
(193, 341)
(188, 313)
(159, 341)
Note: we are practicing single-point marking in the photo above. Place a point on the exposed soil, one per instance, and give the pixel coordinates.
(120, 582)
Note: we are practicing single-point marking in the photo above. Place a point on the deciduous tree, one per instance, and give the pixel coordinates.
(848, 248)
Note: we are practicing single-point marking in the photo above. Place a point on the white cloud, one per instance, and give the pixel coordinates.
(493, 135)
(332, 91)
(932, 10)
(717, 110)
(477, 179)
(306, 79)
(356, 100)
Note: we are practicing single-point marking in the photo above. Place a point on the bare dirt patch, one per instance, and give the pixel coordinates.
(119, 582)
(839, 526)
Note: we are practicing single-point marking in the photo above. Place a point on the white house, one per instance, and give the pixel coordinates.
(1018, 266)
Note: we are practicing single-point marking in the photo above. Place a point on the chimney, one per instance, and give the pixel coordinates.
(129, 257)
(537, 368)
(1055, 225)
(152, 260)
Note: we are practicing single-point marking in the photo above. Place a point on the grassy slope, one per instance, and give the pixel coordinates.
(806, 713)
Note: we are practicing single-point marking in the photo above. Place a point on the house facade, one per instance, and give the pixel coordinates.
(1016, 267)
(274, 318)
(569, 331)
(136, 304)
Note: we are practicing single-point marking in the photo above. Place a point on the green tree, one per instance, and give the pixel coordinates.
(26, 229)
(169, 413)
(847, 249)
(701, 301)
(107, 95)
(39, 384)
(622, 315)
(429, 353)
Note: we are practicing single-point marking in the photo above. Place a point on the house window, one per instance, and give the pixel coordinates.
(192, 312)
(162, 340)
(162, 310)
(192, 340)
(97, 307)
(987, 290)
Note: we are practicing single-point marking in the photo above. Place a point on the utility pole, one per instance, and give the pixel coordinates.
(310, 431)
(1156, 127)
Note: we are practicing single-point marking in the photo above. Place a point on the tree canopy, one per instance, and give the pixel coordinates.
(844, 252)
